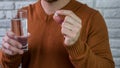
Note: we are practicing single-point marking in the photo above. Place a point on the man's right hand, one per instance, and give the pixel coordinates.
(10, 45)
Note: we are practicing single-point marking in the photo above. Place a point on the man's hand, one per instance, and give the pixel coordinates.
(10, 45)
(71, 26)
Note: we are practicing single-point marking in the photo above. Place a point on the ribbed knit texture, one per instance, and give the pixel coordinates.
(46, 43)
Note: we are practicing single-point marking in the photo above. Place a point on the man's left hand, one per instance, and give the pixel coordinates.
(71, 26)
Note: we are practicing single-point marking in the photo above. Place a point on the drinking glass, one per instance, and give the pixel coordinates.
(19, 26)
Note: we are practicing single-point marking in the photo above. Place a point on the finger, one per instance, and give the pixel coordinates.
(28, 35)
(68, 41)
(5, 38)
(15, 43)
(69, 33)
(7, 51)
(66, 32)
(11, 34)
(69, 26)
(68, 13)
(71, 21)
(6, 45)
(12, 49)
(12, 42)
(16, 50)
(5, 48)
(57, 18)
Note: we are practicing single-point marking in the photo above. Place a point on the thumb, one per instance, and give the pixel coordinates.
(67, 41)
(58, 18)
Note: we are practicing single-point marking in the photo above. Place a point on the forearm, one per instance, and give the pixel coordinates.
(96, 61)
(82, 56)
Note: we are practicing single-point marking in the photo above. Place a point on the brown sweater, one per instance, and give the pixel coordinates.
(46, 47)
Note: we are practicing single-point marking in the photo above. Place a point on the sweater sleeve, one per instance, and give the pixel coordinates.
(95, 51)
(8, 61)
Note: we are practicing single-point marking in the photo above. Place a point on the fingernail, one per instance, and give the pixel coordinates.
(56, 14)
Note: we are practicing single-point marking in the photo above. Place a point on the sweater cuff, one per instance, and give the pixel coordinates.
(76, 50)
(9, 58)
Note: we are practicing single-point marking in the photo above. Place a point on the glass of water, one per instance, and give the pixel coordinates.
(19, 26)
(23, 17)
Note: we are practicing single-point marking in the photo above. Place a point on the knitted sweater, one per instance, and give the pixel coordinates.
(46, 43)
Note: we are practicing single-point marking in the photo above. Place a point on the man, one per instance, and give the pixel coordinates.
(63, 34)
